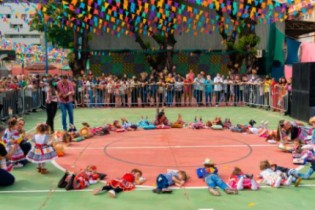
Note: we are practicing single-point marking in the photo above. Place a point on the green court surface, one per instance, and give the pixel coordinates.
(35, 191)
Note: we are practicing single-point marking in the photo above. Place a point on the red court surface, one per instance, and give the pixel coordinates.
(155, 151)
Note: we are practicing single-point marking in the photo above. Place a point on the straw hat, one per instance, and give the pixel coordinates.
(312, 120)
(208, 161)
(84, 132)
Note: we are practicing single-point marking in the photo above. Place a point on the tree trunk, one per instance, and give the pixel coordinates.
(81, 53)
(163, 58)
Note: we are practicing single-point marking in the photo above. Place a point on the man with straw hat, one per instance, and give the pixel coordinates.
(213, 180)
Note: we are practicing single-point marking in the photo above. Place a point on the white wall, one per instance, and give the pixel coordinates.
(16, 10)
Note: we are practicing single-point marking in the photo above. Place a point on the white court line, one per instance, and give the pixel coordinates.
(173, 147)
(139, 188)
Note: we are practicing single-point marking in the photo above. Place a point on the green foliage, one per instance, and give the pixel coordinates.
(57, 35)
(71, 57)
(247, 43)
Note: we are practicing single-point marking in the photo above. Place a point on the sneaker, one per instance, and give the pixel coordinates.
(112, 194)
(44, 171)
(157, 190)
(214, 192)
(167, 190)
(297, 182)
(231, 191)
(18, 165)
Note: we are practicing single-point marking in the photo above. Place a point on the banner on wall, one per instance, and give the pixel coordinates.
(288, 71)
(292, 51)
(307, 52)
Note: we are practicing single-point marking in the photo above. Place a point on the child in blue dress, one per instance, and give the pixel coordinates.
(42, 151)
(12, 137)
(172, 177)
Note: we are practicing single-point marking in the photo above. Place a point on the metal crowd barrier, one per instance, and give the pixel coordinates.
(17, 102)
(32, 99)
(181, 94)
(11, 103)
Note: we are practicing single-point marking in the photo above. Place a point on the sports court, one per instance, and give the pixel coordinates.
(153, 152)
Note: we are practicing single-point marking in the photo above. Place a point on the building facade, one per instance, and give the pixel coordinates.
(14, 25)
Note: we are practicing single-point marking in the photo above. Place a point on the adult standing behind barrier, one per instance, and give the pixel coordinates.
(65, 92)
(6, 179)
(51, 103)
(217, 88)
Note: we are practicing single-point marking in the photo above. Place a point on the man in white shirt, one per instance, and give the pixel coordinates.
(198, 86)
(218, 87)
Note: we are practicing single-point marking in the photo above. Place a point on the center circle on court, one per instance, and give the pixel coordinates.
(164, 149)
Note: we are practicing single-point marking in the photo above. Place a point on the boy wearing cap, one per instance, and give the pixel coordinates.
(213, 180)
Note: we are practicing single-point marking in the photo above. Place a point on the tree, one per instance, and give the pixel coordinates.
(244, 31)
(57, 35)
(60, 20)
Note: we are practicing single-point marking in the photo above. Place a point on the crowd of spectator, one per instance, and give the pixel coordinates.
(163, 88)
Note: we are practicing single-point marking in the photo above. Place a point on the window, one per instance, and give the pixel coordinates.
(8, 15)
(16, 36)
(16, 26)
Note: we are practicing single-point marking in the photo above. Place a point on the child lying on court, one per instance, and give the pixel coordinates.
(300, 155)
(126, 183)
(210, 175)
(239, 181)
(179, 123)
(81, 180)
(145, 124)
(172, 177)
(272, 178)
(128, 126)
(287, 173)
(197, 124)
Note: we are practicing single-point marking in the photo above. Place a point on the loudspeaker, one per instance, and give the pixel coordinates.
(303, 91)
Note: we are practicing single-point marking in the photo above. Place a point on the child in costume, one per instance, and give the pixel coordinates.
(145, 124)
(312, 122)
(81, 180)
(10, 138)
(42, 151)
(217, 124)
(161, 120)
(271, 177)
(126, 183)
(301, 156)
(288, 173)
(172, 177)
(179, 123)
(116, 127)
(239, 181)
(227, 123)
(197, 124)
(209, 173)
(128, 126)
(309, 171)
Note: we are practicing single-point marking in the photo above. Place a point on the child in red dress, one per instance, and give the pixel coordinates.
(81, 180)
(126, 183)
